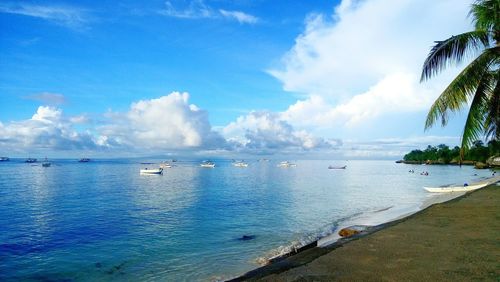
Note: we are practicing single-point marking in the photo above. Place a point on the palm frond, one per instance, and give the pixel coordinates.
(456, 95)
(492, 123)
(486, 15)
(453, 50)
(474, 125)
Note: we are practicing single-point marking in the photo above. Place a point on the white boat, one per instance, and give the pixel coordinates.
(240, 164)
(463, 188)
(207, 164)
(4, 159)
(165, 165)
(46, 163)
(152, 171)
(286, 164)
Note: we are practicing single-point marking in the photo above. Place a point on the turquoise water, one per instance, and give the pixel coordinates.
(104, 221)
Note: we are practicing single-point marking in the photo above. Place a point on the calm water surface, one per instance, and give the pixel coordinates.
(104, 221)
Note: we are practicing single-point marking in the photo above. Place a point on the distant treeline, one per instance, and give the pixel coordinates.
(444, 155)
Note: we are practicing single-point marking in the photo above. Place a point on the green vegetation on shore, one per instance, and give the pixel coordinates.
(442, 154)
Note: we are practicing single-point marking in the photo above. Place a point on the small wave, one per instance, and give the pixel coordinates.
(305, 241)
(384, 209)
(310, 239)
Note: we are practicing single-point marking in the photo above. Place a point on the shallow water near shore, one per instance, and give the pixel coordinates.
(103, 220)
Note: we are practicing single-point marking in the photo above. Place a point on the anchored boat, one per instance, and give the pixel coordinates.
(207, 164)
(337, 167)
(152, 171)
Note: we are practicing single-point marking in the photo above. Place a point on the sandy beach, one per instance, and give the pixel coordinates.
(458, 240)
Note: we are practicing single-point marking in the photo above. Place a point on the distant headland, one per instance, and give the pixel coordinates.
(479, 155)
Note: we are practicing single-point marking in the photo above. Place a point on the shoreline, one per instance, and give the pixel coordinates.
(308, 254)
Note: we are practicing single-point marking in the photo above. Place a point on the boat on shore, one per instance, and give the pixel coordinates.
(30, 160)
(337, 167)
(4, 159)
(463, 188)
(207, 164)
(84, 160)
(286, 164)
(152, 171)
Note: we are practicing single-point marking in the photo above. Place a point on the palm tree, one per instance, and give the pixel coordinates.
(478, 83)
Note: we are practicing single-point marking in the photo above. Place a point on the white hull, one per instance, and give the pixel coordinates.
(471, 187)
(152, 171)
(208, 165)
(455, 188)
(240, 164)
(286, 164)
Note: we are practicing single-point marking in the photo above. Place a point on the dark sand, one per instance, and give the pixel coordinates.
(454, 241)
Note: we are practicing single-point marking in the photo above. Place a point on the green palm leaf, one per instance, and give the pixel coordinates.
(461, 88)
(453, 49)
(474, 125)
(492, 124)
(486, 15)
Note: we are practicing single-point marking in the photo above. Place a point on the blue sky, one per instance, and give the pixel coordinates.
(309, 78)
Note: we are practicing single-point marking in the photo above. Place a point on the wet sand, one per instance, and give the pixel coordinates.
(457, 240)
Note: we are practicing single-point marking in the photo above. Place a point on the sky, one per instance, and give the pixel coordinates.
(303, 79)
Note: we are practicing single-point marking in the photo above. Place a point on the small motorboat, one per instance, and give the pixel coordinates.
(165, 165)
(30, 160)
(152, 171)
(84, 160)
(4, 159)
(240, 164)
(207, 164)
(337, 167)
(286, 164)
(46, 163)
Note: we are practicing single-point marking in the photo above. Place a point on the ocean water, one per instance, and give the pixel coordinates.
(102, 220)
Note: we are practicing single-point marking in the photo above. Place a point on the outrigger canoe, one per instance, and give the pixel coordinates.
(463, 188)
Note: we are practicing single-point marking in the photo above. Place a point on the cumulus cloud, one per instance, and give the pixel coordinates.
(68, 16)
(47, 129)
(168, 122)
(266, 132)
(198, 9)
(364, 60)
(394, 148)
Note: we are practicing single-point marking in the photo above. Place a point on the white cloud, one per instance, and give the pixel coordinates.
(266, 132)
(365, 60)
(69, 16)
(239, 16)
(198, 9)
(168, 122)
(396, 93)
(47, 129)
(194, 10)
(394, 148)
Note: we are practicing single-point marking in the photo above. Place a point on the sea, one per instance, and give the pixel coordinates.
(104, 221)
